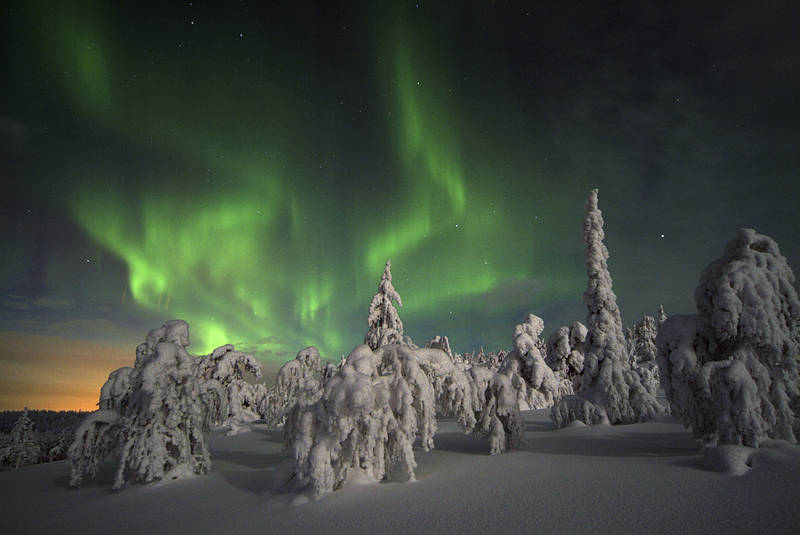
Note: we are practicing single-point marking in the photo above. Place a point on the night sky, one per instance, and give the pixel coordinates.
(249, 168)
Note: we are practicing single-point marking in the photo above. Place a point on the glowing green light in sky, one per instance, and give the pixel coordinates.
(233, 224)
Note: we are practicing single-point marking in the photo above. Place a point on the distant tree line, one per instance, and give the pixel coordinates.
(36, 436)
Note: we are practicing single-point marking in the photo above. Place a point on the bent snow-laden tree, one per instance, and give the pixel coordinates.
(732, 372)
(226, 366)
(155, 428)
(299, 379)
(453, 391)
(536, 384)
(610, 392)
(366, 420)
(497, 407)
(481, 400)
(384, 322)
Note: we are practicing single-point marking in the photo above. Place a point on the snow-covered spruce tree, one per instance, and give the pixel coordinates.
(300, 379)
(643, 356)
(226, 367)
(384, 323)
(366, 420)
(166, 411)
(661, 316)
(732, 372)
(644, 341)
(535, 383)
(24, 448)
(610, 391)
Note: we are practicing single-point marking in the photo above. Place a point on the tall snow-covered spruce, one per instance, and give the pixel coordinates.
(732, 372)
(610, 392)
(385, 326)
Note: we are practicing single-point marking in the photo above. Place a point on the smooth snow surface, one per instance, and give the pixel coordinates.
(641, 478)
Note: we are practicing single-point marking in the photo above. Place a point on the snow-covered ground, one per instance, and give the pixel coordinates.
(640, 478)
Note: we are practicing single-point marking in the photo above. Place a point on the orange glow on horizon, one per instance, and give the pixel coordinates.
(55, 373)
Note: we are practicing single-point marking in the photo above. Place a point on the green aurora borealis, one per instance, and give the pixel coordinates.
(251, 169)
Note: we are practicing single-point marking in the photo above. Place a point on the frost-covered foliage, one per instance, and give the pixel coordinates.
(158, 430)
(23, 448)
(480, 399)
(226, 367)
(495, 402)
(535, 383)
(300, 379)
(490, 360)
(366, 420)
(607, 380)
(384, 323)
(732, 372)
(451, 386)
(565, 352)
(441, 342)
